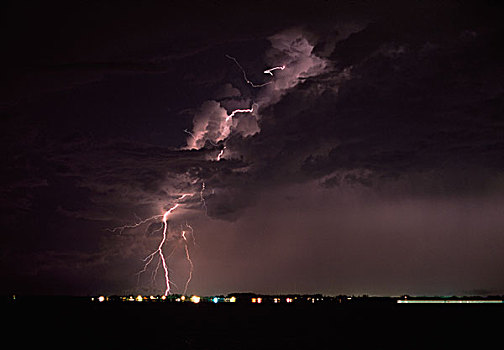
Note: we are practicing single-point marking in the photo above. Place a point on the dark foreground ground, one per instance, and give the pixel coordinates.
(70, 324)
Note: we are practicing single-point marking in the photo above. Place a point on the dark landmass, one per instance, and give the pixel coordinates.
(336, 322)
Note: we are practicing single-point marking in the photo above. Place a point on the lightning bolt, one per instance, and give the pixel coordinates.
(245, 74)
(159, 250)
(121, 229)
(189, 133)
(192, 233)
(219, 156)
(188, 257)
(202, 197)
(268, 71)
(248, 110)
(227, 121)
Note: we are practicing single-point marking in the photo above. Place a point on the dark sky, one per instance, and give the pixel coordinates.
(373, 163)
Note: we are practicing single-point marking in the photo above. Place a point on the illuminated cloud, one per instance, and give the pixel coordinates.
(292, 49)
(210, 123)
(294, 52)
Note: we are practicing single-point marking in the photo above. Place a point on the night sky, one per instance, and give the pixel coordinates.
(372, 164)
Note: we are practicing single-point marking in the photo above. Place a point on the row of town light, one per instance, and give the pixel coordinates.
(193, 299)
(197, 299)
(275, 300)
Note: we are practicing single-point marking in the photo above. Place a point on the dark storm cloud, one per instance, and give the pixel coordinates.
(396, 101)
(379, 110)
(126, 173)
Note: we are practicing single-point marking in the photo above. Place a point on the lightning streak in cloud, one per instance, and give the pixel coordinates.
(202, 198)
(219, 156)
(245, 74)
(189, 133)
(228, 124)
(249, 110)
(268, 71)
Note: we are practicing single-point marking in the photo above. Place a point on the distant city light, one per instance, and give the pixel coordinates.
(448, 301)
(299, 299)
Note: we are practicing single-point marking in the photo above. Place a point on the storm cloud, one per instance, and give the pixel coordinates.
(372, 163)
